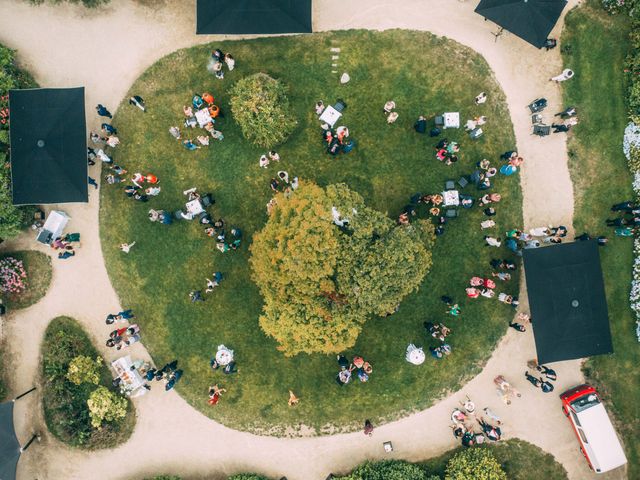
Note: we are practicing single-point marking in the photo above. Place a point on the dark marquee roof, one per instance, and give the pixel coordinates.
(253, 16)
(9, 446)
(557, 277)
(531, 20)
(48, 146)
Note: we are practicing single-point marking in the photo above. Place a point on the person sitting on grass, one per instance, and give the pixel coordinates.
(213, 283)
(215, 393)
(189, 145)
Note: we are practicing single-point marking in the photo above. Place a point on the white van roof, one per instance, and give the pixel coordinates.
(606, 452)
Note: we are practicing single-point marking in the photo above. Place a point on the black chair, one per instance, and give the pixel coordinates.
(463, 182)
(451, 213)
(207, 200)
(538, 105)
(541, 130)
(449, 185)
(340, 105)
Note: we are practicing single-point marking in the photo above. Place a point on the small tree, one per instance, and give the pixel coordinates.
(476, 463)
(389, 470)
(83, 369)
(260, 106)
(105, 406)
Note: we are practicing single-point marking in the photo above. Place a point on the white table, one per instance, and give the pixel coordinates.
(224, 356)
(53, 227)
(451, 198)
(131, 378)
(330, 116)
(203, 116)
(194, 207)
(452, 120)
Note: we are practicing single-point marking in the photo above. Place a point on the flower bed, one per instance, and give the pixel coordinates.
(13, 276)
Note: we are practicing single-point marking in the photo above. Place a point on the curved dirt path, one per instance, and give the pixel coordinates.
(105, 51)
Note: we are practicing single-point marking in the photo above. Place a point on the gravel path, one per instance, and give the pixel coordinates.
(105, 51)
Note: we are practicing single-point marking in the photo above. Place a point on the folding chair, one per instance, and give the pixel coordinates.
(449, 185)
(340, 105)
(541, 130)
(451, 213)
(463, 182)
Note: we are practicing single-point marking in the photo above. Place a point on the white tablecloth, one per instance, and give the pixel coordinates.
(224, 356)
(194, 207)
(452, 120)
(56, 221)
(131, 378)
(330, 116)
(203, 116)
(451, 198)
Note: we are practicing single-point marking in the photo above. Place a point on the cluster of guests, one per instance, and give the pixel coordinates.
(270, 157)
(517, 240)
(628, 221)
(217, 62)
(447, 151)
(463, 426)
(389, 111)
(440, 333)
(337, 141)
(124, 337)
(543, 382)
(66, 245)
(361, 367)
(570, 120)
(169, 375)
(199, 102)
(227, 369)
(504, 390)
(196, 295)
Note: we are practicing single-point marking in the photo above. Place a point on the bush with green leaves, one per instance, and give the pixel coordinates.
(389, 470)
(83, 369)
(476, 463)
(12, 219)
(105, 406)
(66, 406)
(247, 476)
(260, 106)
(324, 262)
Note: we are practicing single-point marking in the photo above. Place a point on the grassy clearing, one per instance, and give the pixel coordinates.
(595, 47)
(65, 404)
(423, 74)
(38, 268)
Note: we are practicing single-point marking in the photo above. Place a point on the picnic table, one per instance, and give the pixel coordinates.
(330, 116)
(203, 116)
(451, 198)
(194, 207)
(131, 379)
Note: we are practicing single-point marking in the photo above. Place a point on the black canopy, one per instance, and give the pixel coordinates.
(253, 16)
(567, 301)
(9, 446)
(48, 146)
(531, 20)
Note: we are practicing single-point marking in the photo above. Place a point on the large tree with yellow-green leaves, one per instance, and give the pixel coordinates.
(325, 262)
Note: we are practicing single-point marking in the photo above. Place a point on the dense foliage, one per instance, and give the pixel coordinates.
(476, 463)
(320, 280)
(83, 369)
(633, 70)
(12, 219)
(389, 470)
(247, 476)
(13, 276)
(68, 413)
(31, 286)
(260, 106)
(625, 7)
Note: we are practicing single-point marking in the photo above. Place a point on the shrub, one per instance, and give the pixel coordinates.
(319, 281)
(247, 476)
(13, 276)
(625, 7)
(389, 470)
(476, 463)
(66, 407)
(260, 106)
(105, 406)
(83, 369)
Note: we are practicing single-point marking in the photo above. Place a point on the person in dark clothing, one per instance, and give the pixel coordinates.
(137, 101)
(583, 238)
(492, 433)
(368, 427)
(230, 368)
(602, 241)
(421, 125)
(618, 222)
(468, 439)
(533, 380)
(518, 327)
(567, 113)
(489, 212)
(624, 207)
(109, 129)
(429, 327)
(546, 387)
(91, 156)
(93, 182)
(196, 296)
(103, 112)
(560, 127)
(547, 372)
(151, 374)
(343, 362)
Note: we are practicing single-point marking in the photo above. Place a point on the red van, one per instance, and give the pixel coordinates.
(598, 440)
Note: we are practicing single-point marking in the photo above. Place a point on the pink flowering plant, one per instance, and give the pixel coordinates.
(13, 276)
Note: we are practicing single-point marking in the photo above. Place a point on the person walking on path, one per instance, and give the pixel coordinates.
(368, 428)
(93, 182)
(102, 111)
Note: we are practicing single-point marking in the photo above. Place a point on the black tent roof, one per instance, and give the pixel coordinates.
(253, 16)
(531, 20)
(9, 446)
(567, 301)
(48, 146)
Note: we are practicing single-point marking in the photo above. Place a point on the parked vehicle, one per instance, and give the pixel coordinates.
(598, 440)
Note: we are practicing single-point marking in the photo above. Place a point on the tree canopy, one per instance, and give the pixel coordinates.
(325, 261)
(389, 470)
(476, 463)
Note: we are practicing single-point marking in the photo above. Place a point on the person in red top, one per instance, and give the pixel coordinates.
(207, 97)
(215, 393)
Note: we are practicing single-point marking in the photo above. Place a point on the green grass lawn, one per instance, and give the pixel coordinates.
(38, 268)
(423, 74)
(65, 404)
(597, 48)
